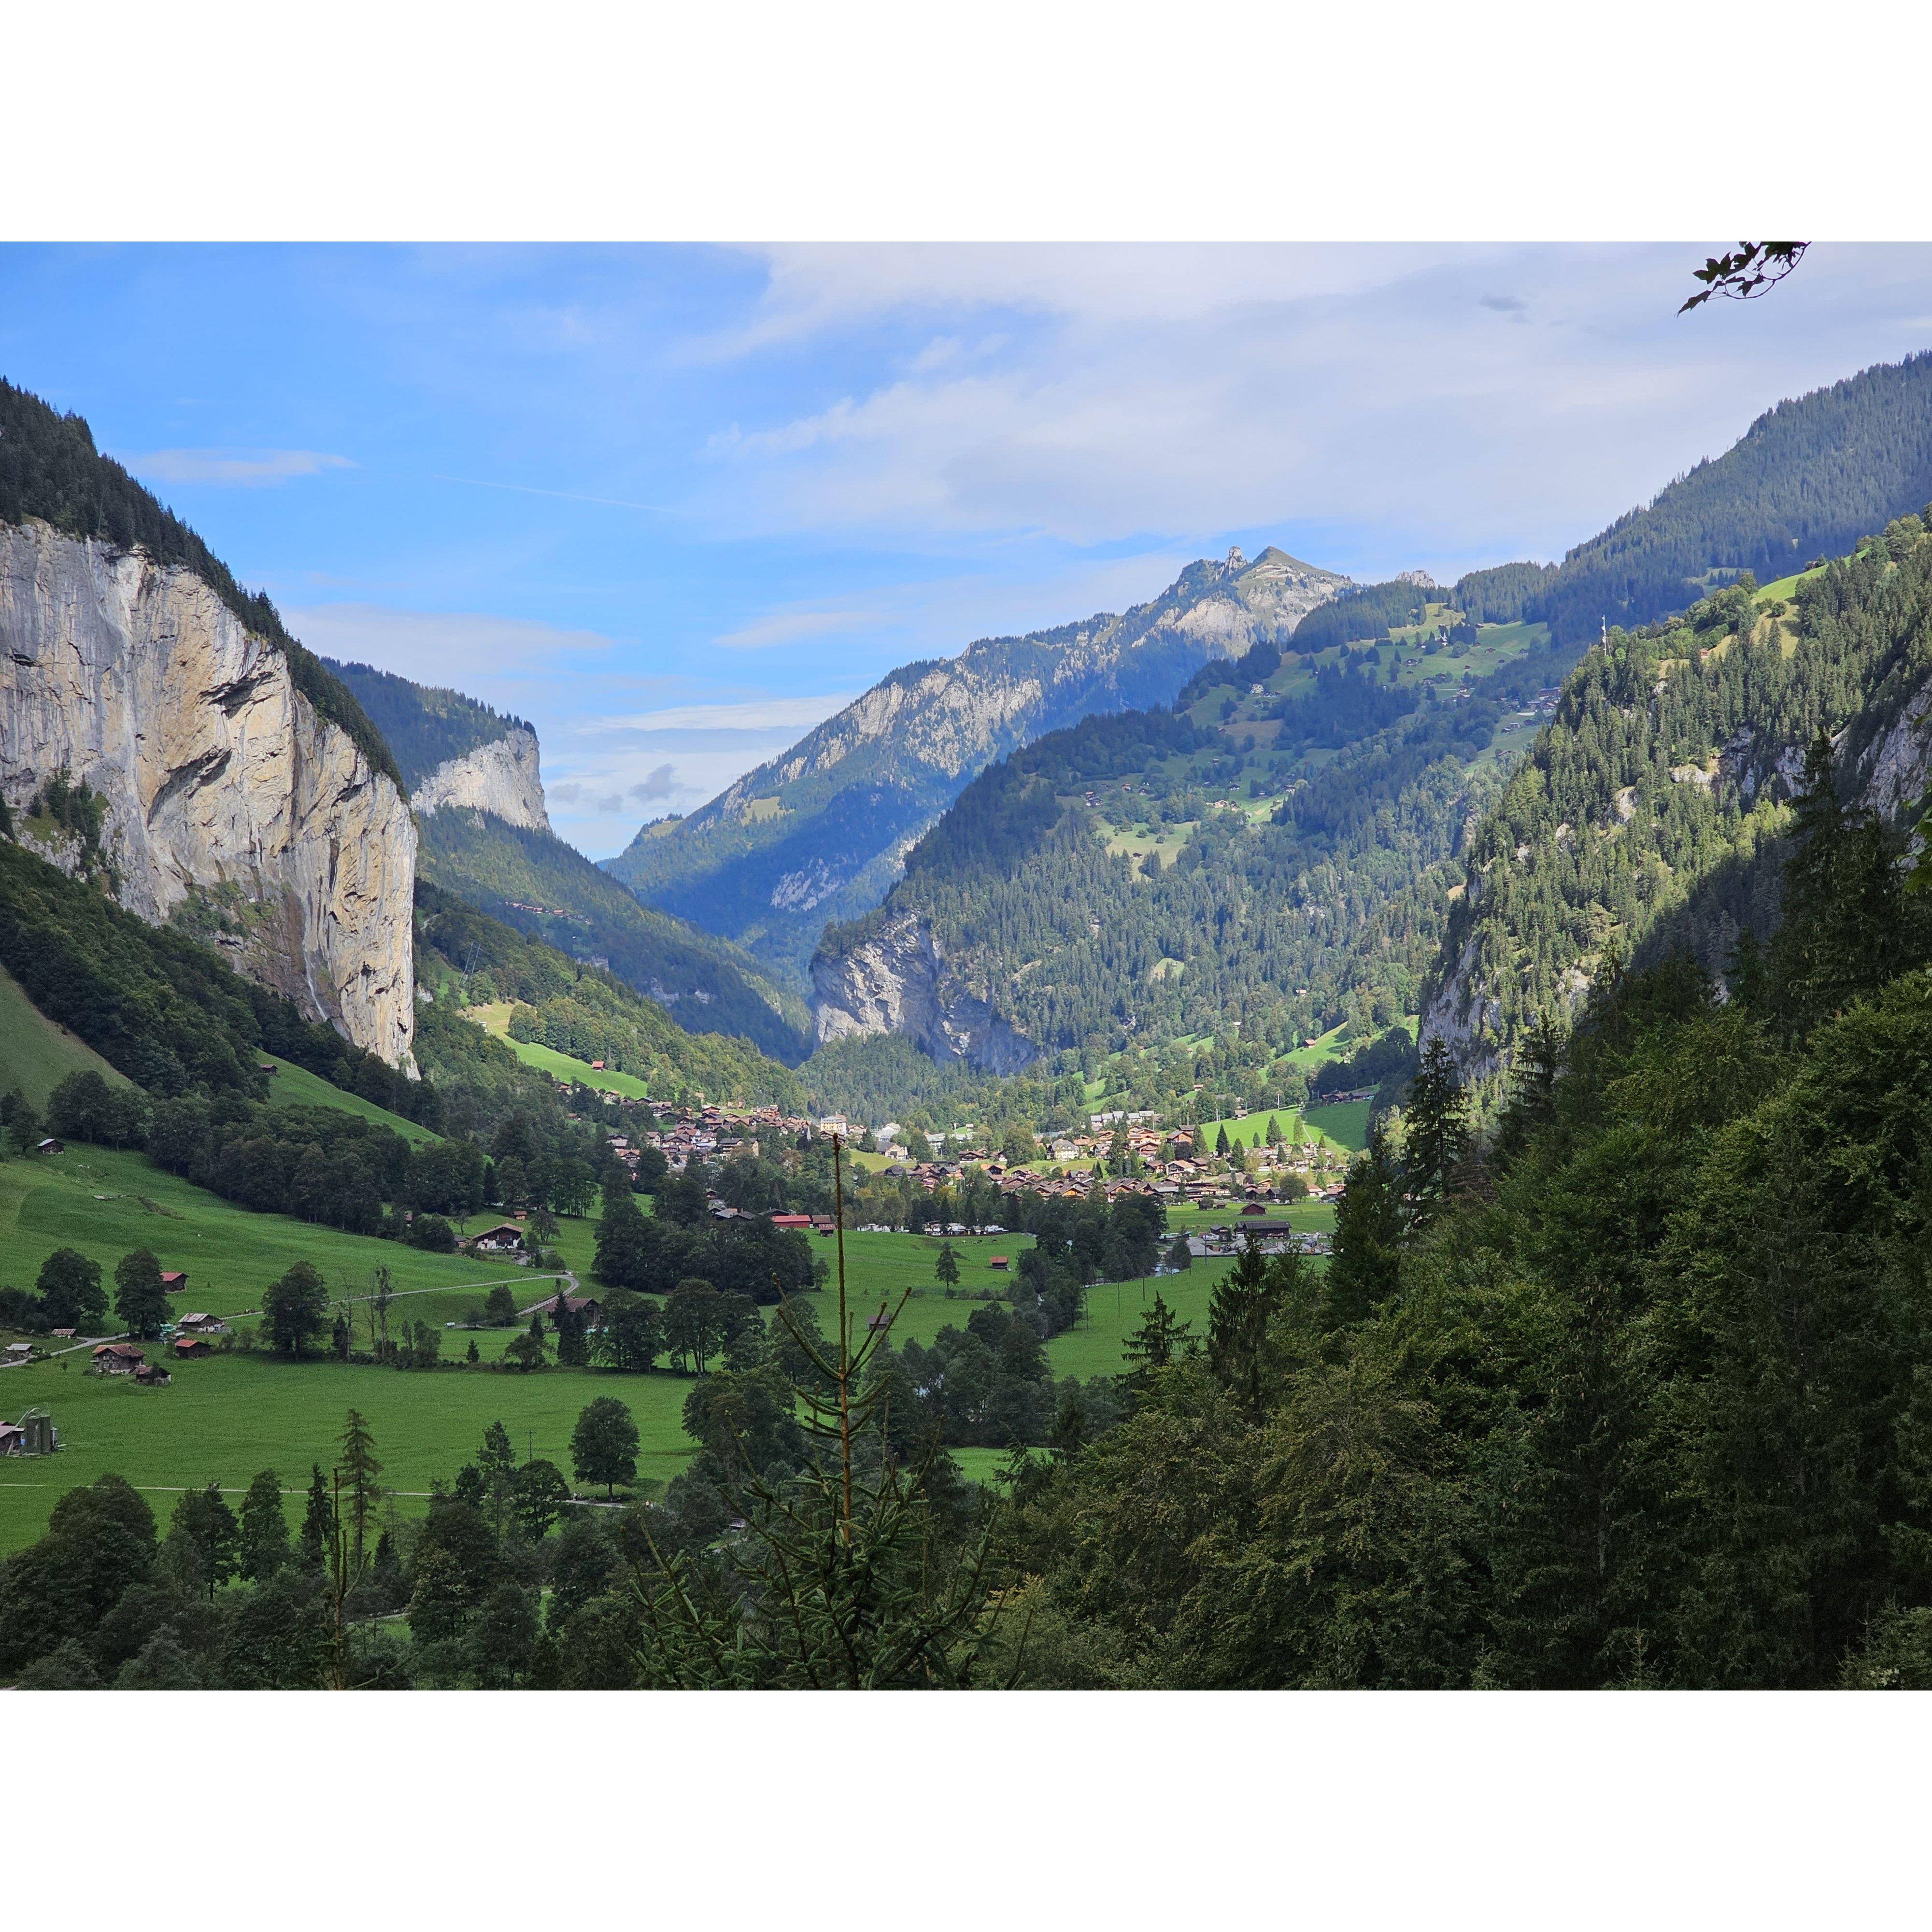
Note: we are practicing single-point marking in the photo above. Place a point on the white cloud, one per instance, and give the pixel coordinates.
(787, 627)
(759, 715)
(244, 467)
(1501, 399)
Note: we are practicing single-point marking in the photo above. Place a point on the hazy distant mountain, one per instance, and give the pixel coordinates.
(819, 833)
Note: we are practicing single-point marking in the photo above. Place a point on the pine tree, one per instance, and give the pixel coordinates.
(1435, 1132)
(265, 1528)
(359, 1466)
(497, 1461)
(1364, 1269)
(947, 1267)
(318, 1520)
(1533, 1074)
(1245, 1300)
(1221, 1141)
(1154, 1344)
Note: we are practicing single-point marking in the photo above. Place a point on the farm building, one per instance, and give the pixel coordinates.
(18, 1352)
(998, 1261)
(50, 1145)
(201, 1325)
(34, 1435)
(800, 1221)
(152, 1375)
(191, 1347)
(587, 1308)
(175, 1281)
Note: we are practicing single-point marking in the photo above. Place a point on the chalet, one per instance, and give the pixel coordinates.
(506, 1237)
(175, 1281)
(201, 1325)
(118, 1358)
(191, 1347)
(50, 1145)
(587, 1308)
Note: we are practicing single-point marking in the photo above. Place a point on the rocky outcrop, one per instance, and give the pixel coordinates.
(895, 979)
(227, 798)
(501, 778)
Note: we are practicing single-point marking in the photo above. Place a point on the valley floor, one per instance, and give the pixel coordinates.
(226, 1418)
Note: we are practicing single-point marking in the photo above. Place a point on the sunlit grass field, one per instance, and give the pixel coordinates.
(226, 1418)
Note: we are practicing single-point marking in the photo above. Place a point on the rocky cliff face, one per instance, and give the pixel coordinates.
(896, 979)
(227, 798)
(502, 778)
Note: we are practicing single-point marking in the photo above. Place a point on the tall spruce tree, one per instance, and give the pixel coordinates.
(265, 1528)
(318, 1520)
(1364, 1269)
(1435, 1128)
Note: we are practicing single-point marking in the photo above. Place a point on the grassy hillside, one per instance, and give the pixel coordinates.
(495, 1018)
(294, 1086)
(580, 1012)
(105, 1203)
(36, 1054)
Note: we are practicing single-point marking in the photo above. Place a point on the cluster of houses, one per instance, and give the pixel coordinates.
(185, 1339)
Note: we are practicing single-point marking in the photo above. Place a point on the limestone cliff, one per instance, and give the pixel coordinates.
(228, 800)
(896, 979)
(502, 778)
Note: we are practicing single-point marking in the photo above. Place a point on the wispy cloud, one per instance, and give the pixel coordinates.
(242, 468)
(755, 714)
(787, 627)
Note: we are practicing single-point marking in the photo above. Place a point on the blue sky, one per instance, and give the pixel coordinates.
(673, 504)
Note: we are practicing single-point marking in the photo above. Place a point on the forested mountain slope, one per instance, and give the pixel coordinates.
(1653, 806)
(817, 834)
(451, 749)
(530, 879)
(1271, 858)
(477, 792)
(583, 1011)
(1806, 481)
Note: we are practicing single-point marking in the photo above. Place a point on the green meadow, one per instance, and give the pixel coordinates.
(224, 1418)
(36, 1054)
(495, 1019)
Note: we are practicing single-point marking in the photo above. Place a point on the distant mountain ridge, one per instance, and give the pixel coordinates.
(818, 833)
(1806, 480)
